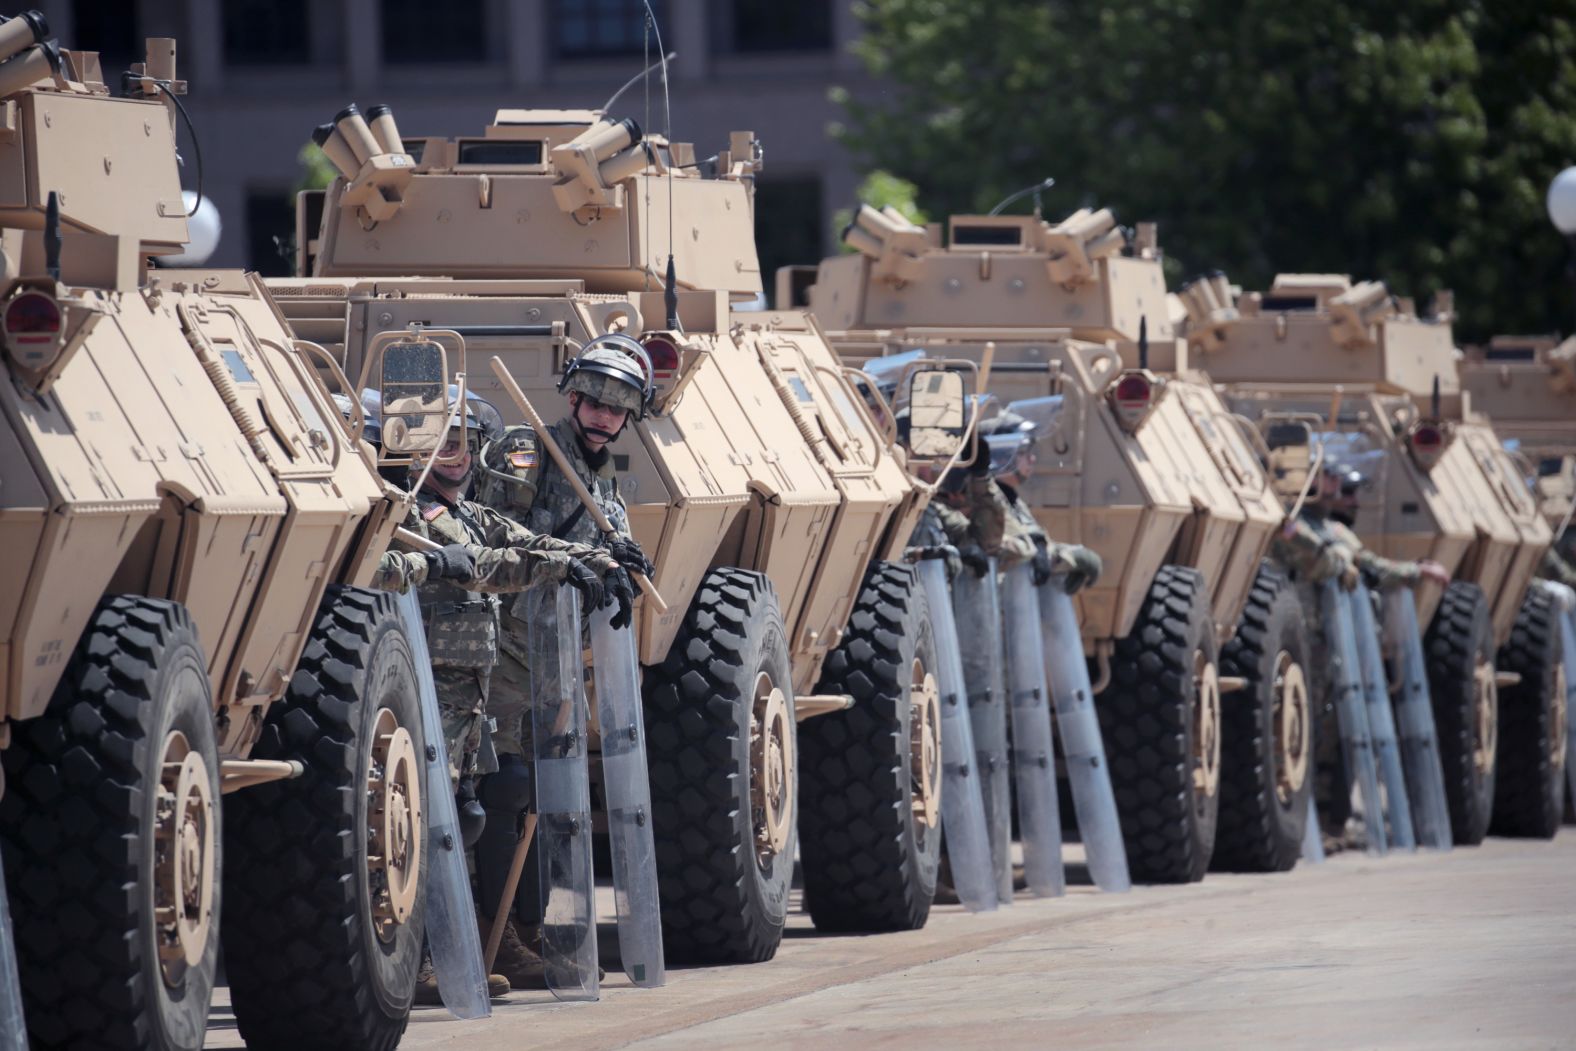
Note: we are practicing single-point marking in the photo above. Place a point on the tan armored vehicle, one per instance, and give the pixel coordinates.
(1137, 459)
(1527, 386)
(771, 504)
(186, 522)
(1383, 382)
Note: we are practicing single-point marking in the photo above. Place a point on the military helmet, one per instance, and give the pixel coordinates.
(615, 370)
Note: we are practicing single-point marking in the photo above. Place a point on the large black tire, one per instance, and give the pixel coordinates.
(1167, 796)
(1458, 642)
(1529, 783)
(867, 857)
(723, 900)
(78, 828)
(309, 965)
(1266, 737)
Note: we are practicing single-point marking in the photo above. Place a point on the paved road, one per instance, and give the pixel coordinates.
(1473, 949)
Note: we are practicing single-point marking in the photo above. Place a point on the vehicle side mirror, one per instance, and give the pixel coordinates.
(1290, 446)
(413, 380)
(938, 419)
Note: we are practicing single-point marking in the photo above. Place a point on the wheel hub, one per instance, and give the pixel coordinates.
(924, 754)
(1291, 722)
(771, 770)
(1206, 722)
(394, 823)
(184, 855)
(1486, 713)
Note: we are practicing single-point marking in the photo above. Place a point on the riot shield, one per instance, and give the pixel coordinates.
(1033, 755)
(1083, 749)
(962, 806)
(13, 1028)
(563, 792)
(1414, 716)
(1351, 710)
(1381, 720)
(1568, 623)
(452, 937)
(628, 792)
(976, 611)
(1312, 841)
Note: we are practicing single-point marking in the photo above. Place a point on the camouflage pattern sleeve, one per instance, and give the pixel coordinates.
(988, 512)
(1379, 573)
(511, 468)
(1300, 548)
(953, 523)
(504, 569)
(503, 531)
(1017, 543)
(400, 571)
(1555, 568)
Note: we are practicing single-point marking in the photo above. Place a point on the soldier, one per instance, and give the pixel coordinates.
(606, 386)
(1332, 516)
(483, 554)
(1559, 561)
(1024, 539)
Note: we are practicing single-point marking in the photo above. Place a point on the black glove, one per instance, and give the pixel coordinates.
(974, 556)
(621, 591)
(980, 464)
(451, 562)
(1086, 566)
(930, 551)
(628, 554)
(473, 818)
(1040, 565)
(584, 580)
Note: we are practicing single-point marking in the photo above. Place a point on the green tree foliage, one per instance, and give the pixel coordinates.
(1410, 140)
(881, 190)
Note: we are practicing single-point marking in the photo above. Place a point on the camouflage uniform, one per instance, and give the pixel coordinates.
(1554, 567)
(524, 483)
(1022, 534)
(1380, 574)
(462, 619)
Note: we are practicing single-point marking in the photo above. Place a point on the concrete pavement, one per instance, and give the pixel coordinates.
(1476, 948)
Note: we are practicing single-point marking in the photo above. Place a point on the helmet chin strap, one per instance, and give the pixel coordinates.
(581, 426)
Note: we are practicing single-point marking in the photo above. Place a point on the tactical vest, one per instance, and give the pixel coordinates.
(558, 511)
(462, 626)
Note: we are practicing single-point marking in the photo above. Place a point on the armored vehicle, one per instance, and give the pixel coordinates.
(1527, 386)
(1384, 383)
(774, 508)
(187, 524)
(1137, 459)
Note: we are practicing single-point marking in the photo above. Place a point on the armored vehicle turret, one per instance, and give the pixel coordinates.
(187, 521)
(772, 505)
(1380, 384)
(1137, 458)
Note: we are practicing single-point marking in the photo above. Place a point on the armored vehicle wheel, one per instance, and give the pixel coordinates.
(323, 935)
(870, 803)
(1266, 734)
(110, 826)
(1460, 652)
(1529, 782)
(720, 749)
(1160, 717)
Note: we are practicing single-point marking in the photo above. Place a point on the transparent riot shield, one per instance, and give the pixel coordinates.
(976, 610)
(1083, 749)
(1351, 710)
(1381, 720)
(563, 792)
(628, 792)
(1568, 623)
(13, 1029)
(962, 806)
(1312, 840)
(1414, 716)
(452, 937)
(1033, 755)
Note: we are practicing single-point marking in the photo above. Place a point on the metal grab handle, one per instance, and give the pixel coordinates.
(358, 414)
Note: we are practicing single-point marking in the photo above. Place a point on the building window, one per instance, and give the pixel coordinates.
(110, 29)
(270, 231)
(422, 32)
(267, 32)
(788, 223)
(771, 25)
(604, 28)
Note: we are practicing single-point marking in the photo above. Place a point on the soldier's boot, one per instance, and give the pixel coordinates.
(427, 994)
(530, 935)
(515, 961)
